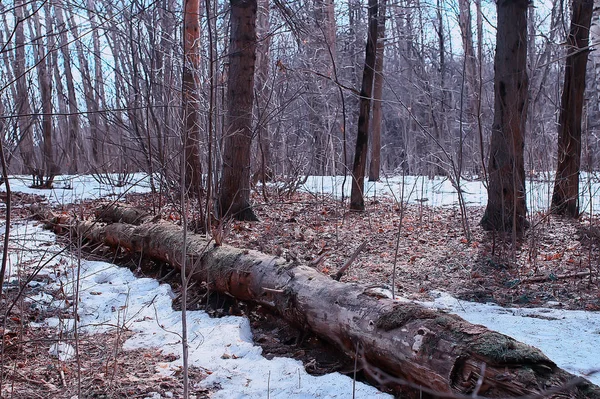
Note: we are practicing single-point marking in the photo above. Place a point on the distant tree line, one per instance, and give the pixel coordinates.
(224, 93)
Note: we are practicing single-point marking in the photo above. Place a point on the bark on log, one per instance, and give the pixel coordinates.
(401, 340)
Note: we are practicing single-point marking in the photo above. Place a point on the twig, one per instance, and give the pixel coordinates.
(349, 262)
(167, 276)
(317, 261)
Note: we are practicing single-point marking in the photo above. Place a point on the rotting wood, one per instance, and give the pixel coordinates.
(411, 344)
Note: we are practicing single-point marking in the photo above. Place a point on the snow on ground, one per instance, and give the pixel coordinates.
(71, 189)
(438, 191)
(570, 338)
(112, 297)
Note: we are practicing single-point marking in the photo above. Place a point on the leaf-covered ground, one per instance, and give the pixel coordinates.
(555, 264)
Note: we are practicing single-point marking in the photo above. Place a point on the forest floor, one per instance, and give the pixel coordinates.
(555, 264)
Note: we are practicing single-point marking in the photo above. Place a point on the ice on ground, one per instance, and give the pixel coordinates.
(570, 338)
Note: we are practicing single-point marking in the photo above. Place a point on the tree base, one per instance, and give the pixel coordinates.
(246, 215)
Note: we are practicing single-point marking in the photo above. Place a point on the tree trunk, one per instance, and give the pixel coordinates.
(470, 94)
(42, 59)
(264, 91)
(23, 106)
(375, 164)
(399, 343)
(357, 201)
(73, 118)
(506, 208)
(90, 97)
(235, 182)
(98, 89)
(565, 199)
(191, 95)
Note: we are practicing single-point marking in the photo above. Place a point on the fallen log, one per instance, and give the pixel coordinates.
(399, 343)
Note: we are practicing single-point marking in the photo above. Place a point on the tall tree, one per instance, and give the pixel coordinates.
(48, 168)
(234, 199)
(73, 135)
(470, 92)
(23, 105)
(90, 96)
(263, 90)
(375, 164)
(506, 208)
(191, 95)
(357, 201)
(565, 198)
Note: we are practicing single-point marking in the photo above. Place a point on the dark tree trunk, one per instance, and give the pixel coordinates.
(375, 164)
(191, 96)
(565, 199)
(399, 343)
(357, 201)
(506, 208)
(234, 199)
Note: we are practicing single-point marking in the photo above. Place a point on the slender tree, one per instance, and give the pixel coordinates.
(191, 95)
(90, 96)
(48, 169)
(506, 208)
(375, 164)
(234, 198)
(23, 106)
(565, 198)
(263, 90)
(357, 201)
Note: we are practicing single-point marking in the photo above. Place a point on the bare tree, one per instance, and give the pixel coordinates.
(190, 95)
(90, 96)
(263, 90)
(234, 199)
(375, 164)
(506, 208)
(565, 199)
(23, 105)
(357, 201)
(48, 168)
